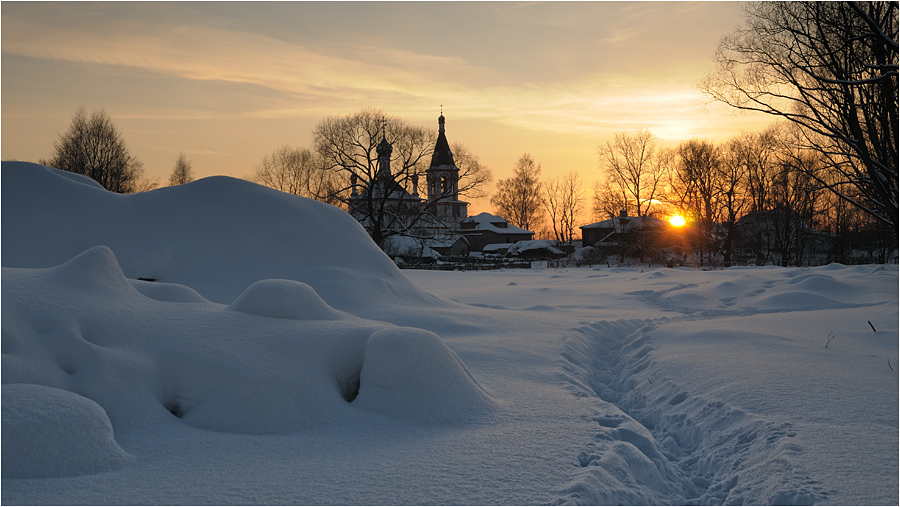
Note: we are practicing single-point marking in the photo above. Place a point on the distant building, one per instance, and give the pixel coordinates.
(436, 216)
(486, 229)
(442, 178)
(620, 228)
(638, 237)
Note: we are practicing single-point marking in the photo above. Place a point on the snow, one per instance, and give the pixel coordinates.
(487, 222)
(49, 432)
(407, 246)
(283, 299)
(545, 245)
(281, 358)
(186, 235)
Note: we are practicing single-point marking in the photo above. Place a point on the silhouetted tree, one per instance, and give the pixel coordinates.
(473, 176)
(563, 200)
(736, 158)
(695, 190)
(182, 173)
(297, 171)
(347, 146)
(633, 165)
(92, 146)
(518, 198)
(832, 69)
(607, 201)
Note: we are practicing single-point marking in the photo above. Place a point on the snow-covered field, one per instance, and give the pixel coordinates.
(280, 358)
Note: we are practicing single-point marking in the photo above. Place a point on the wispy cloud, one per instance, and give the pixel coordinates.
(327, 79)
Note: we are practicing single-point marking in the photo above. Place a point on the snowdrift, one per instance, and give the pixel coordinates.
(49, 432)
(87, 350)
(216, 235)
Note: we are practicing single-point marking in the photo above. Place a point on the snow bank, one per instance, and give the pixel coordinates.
(216, 235)
(48, 432)
(278, 360)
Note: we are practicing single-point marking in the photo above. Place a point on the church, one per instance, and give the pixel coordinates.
(389, 203)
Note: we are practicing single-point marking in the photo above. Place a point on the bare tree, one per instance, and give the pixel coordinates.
(738, 155)
(696, 179)
(607, 201)
(760, 153)
(297, 171)
(183, 173)
(92, 146)
(695, 190)
(631, 164)
(796, 199)
(473, 176)
(518, 198)
(388, 204)
(832, 69)
(563, 200)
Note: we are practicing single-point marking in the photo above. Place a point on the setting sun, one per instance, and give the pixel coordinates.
(677, 221)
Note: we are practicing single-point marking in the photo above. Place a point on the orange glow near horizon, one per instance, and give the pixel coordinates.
(226, 83)
(677, 221)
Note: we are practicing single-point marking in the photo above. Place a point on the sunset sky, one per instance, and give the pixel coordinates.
(228, 83)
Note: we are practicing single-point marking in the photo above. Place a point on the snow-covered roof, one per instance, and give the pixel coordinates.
(493, 247)
(488, 222)
(535, 244)
(405, 245)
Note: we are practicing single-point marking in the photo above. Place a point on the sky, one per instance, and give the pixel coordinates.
(228, 82)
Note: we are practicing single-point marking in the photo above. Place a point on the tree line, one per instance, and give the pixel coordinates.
(767, 182)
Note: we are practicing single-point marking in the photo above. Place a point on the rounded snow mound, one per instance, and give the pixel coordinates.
(284, 299)
(95, 270)
(49, 432)
(411, 374)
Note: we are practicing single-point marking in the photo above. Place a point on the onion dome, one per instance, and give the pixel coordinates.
(384, 148)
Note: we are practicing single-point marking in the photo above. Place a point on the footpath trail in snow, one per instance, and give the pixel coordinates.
(716, 387)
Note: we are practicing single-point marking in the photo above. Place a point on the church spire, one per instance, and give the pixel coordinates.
(442, 155)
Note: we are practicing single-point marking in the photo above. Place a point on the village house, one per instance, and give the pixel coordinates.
(627, 236)
(491, 232)
(619, 229)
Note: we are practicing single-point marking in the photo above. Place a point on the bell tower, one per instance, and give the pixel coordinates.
(442, 175)
(442, 179)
